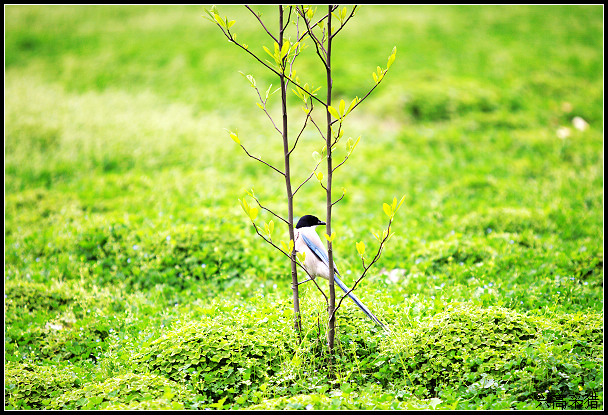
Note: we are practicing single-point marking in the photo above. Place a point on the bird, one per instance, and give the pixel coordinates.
(316, 259)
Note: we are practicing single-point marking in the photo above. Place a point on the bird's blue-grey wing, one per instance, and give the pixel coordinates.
(319, 253)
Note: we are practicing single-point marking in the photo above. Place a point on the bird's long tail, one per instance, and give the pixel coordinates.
(359, 303)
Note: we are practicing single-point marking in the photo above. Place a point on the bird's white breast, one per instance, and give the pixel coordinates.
(314, 266)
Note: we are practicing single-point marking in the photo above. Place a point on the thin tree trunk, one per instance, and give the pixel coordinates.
(332, 292)
(294, 272)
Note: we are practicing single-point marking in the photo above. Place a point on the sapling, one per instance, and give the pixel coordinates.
(283, 54)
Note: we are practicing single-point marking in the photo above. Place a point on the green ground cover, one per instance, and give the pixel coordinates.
(134, 281)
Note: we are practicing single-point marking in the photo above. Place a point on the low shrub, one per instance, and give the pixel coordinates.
(128, 391)
(435, 255)
(218, 360)
(27, 297)
(482, 351)
(33, 386)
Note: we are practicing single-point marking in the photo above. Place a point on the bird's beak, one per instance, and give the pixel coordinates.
(322, 223)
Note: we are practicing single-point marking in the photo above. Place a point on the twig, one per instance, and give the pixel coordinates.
(343, 193)
(229, 36)
(262, 23)
(376, 258)
(262, 161)
(341, 163)
(288, 256)
(366, 95)
(308, 178)
(314, 39)
(318, 129)
(266, 111)
(352, 13)
(268, 210)
(308, 116)
(312, 27)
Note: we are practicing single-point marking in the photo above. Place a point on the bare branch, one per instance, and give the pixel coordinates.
(268, 210)
(308, 178)
(341, 163)
(262, 161)
(376, 258)
(266, 111)
(262, 23)
(257, 230)
(322, 185)
(288, 19)
(343, 193)
(352, 13)
(337, 135)
(318, 129)
(316, 41)
(230, 38)
(308, 116)
(318, 287)
(311, 27)
(366, 95)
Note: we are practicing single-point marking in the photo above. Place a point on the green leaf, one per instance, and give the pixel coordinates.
(330, 238)
(299, 93)
(287, 247)
(219, 20)
(352, 104)
(360, 248)
(271, 226)
(310, 13)
(357, 141)
(234, 136)
(400, 202)
(387, 209)
(253, 213)
(333, 112)
(319, 176)
(377, 236)
(391, 58)
(245, 206)
(230, 23)
(375, 77)
(268, 51)
(349, 143)
(301, 256)
(285, 49)
(342, 108)
(316, 156)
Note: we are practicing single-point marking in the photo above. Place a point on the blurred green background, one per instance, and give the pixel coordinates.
(121, 184)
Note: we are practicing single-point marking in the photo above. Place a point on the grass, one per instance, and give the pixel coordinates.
(134, 281)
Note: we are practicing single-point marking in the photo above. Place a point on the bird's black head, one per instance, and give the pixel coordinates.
(309, 220)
